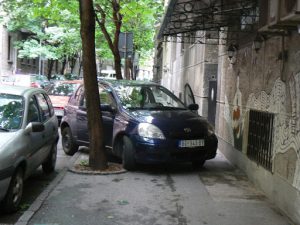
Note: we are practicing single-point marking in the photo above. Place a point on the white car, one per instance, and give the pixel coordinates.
(28, 139)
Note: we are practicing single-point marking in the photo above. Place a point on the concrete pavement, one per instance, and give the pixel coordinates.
(219, 194)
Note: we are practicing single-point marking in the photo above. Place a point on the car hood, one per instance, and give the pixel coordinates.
(59, 101)
(174, 122)
(5, 138)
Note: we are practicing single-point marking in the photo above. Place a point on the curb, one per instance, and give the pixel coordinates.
(83, 156)
(36, 205)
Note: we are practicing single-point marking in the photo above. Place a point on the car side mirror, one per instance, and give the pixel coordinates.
(82, 107)
(34, 127)
(193, 107)
(107, 108)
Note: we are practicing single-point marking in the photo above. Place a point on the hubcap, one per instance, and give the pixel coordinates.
(54, 155)
(17, 189)
(66, 141)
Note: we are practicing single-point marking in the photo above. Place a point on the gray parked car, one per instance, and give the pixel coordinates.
(28, 139)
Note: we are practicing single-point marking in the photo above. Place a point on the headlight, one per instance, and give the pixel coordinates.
(210, 130)
(148, 130)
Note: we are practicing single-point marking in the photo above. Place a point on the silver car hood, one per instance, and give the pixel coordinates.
(5, 138)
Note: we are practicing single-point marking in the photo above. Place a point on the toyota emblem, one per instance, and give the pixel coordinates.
(187, 130)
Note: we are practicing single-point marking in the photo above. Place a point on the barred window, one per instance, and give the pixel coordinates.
(260, 138)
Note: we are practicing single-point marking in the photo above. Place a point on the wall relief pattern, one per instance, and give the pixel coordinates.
(286, 126)
(234, 116)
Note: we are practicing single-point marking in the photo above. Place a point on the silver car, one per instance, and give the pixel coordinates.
(28, 139)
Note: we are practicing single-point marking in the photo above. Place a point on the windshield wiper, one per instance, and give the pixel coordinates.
(4, 129)
(167, 108)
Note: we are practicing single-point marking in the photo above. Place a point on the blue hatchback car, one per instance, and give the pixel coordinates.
(143, 123)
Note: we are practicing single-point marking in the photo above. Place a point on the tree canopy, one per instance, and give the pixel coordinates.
(53, 26)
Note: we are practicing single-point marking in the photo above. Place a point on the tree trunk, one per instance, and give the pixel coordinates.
(50, 67)
(63, 66)
(97, 157)
(118, 68)
(112, 43)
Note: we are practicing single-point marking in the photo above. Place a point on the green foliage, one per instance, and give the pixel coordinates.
(53, 26)
(140, 18)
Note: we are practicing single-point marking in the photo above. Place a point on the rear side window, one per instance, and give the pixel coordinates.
(50, 105)
(77, 97)
(45, 110)
(33, 111)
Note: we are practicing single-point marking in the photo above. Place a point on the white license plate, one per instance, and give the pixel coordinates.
(59, 112)
(191, 143)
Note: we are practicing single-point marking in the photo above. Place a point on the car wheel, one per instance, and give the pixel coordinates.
(49, 165)
(198, 163)
(14, 193)
(68, 143)
(128, 154)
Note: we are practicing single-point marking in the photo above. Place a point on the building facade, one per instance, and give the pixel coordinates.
(242, 67)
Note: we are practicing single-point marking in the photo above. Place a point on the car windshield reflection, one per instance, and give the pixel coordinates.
(11, 112)
(63, 89)
(147, 97)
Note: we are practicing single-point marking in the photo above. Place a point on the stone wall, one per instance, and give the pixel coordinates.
(267, 80)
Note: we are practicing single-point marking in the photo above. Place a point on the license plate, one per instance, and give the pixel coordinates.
(191, 143)
(59, 112)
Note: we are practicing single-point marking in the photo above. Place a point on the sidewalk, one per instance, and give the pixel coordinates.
(219, 194)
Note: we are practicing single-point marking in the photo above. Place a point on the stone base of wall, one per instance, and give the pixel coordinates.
(280, 192)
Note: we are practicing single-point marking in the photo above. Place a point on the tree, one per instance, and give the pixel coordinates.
(52, 28)
(112, 42)
(97, 159)
(138, 17)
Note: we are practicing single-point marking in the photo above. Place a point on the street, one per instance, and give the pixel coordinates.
(35, 184)
(218, 194)
(170, 194)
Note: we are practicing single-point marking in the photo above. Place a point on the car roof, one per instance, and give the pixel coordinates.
(124, 82)
(69, 82)
(17, 90)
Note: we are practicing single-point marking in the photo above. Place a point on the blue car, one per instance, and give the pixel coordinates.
(143, 123)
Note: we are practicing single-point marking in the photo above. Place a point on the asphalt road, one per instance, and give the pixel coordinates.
(35, 184)
(218, 194)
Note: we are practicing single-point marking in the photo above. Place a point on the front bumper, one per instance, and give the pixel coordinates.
(163, 151)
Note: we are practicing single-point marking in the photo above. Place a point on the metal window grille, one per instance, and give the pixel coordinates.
(260, 138)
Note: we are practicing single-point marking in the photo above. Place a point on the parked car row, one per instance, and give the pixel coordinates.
(143, 123)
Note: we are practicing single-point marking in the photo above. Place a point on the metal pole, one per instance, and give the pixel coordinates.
(125, 56)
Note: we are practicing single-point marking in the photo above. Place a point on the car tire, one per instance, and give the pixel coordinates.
(197, 164)
(14, 193)
(128, 153)
(68, 143)
(49, 165)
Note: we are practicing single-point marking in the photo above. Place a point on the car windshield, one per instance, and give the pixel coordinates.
(150, 97)
(63, 89)
(11, 111)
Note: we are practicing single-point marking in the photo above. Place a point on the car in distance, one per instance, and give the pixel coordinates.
(60, 93)
(143, 123)
(106, 74)
(28, 139)
(27, 80)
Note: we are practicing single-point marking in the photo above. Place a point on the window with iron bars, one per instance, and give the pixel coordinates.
(260, 138)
